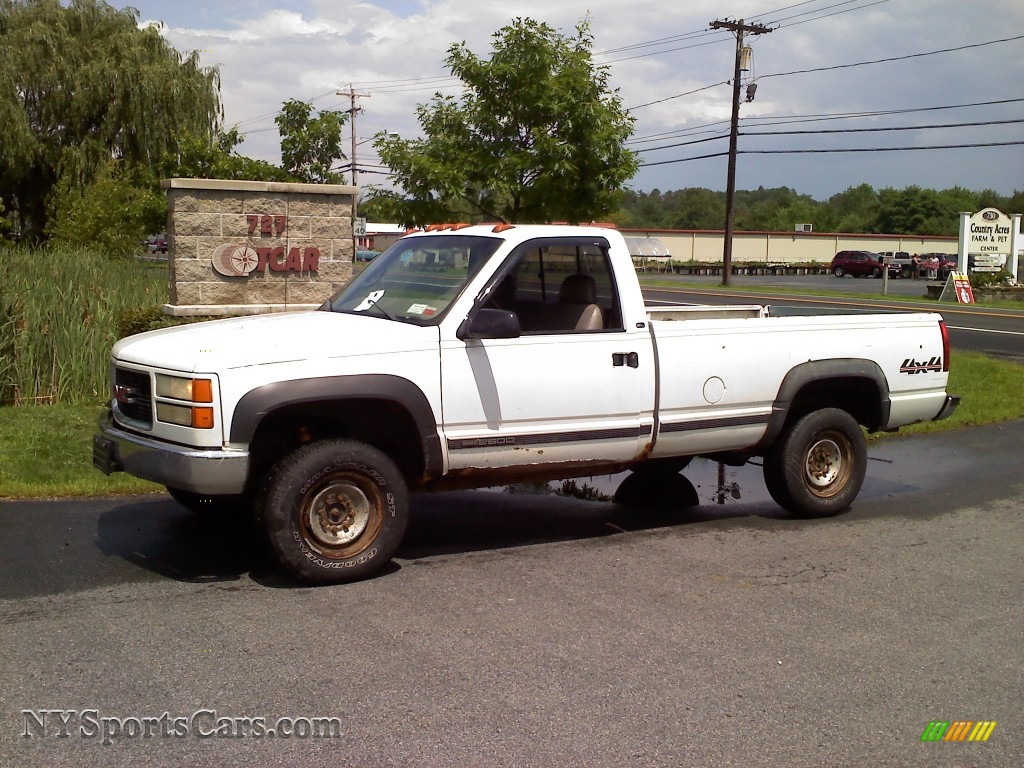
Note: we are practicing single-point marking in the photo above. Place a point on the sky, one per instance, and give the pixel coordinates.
(940, 66)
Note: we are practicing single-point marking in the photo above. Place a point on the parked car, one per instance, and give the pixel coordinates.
(156, 243)
(366, 255)
(858, 264)
(900, 263)
(896, 268)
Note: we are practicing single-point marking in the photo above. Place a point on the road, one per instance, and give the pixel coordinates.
(524, 629)
(996, 332)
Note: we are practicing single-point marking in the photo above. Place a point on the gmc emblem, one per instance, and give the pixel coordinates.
(124, 394)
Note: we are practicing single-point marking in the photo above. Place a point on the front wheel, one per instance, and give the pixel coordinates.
(334, 510)
(838, 271)
(876, 273)
(817, 466)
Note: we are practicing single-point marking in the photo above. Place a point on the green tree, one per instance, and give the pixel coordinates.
(114, 212)
(536, 136)
(199, 157)
(80, 84)
(774, 210)
(853, 210)
(1015, 203)
(696, 208)
(913, 210)
(310, 145)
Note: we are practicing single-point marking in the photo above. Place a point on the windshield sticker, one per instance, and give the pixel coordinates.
(422, 309)
(372, 298)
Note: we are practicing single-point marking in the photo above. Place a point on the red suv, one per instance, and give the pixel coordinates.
(858, 264)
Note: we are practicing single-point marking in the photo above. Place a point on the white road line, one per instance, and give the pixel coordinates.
(984, 330)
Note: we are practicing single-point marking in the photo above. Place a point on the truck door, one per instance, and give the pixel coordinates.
(570, 388)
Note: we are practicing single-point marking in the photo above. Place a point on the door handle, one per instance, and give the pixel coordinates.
(632, 359)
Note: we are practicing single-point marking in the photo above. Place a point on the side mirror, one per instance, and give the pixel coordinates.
(490, 324)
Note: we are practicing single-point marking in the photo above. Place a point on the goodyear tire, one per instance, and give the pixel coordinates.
(334, 511)
(817, 466)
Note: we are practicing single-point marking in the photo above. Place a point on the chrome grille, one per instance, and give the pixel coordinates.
(133, 395)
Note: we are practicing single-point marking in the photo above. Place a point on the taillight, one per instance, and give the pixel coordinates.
(945, 346)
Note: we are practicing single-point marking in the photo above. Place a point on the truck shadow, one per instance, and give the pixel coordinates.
(163, 537)
(470, 521)
(160, 536)
(167, 539)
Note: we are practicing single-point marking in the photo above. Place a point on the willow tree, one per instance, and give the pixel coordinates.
(536, 136)
(82, 84)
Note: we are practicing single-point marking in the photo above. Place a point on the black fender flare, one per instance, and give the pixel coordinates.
(816, 371)
(256, 404)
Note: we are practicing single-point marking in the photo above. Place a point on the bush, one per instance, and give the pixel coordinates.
(141, 319)
(989, 279)
(112, 214)
(59, 316)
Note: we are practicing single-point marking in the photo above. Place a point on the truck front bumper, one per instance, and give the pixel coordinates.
(213, 473)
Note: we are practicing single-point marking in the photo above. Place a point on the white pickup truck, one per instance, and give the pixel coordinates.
(469, 356)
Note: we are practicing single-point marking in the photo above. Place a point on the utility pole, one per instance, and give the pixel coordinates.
(353, 110)
(739, 29)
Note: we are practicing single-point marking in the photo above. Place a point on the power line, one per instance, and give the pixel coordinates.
(811, 118)
(877, 130)
(837, 151)
(684, 159)
(679, 95)
(687, 143)
(877, 149)
(839, 66)
(830, 131)
(825, 15)
(892, 58)
(719, 38)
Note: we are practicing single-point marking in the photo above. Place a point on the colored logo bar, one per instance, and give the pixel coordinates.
(958, 730)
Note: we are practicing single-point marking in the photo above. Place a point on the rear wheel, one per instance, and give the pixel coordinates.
(334, 510)
(817, 466)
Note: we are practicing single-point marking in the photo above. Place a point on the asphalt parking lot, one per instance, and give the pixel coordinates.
(526, 629)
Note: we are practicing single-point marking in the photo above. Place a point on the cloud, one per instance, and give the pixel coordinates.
(272, 50)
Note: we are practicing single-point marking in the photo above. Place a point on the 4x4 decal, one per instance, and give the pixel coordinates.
(932, 365)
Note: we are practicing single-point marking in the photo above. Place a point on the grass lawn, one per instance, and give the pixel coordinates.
(46, 450)
(660, 281)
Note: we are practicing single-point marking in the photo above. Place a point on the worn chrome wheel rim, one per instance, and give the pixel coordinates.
(339, 514)
(825, 469)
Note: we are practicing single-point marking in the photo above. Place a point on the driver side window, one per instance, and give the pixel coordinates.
(559, 286)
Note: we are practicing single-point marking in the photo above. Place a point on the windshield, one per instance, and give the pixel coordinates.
(416, 279)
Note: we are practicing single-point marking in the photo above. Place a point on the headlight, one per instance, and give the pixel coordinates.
(187, 390)
(196, 417)
(194, 390)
